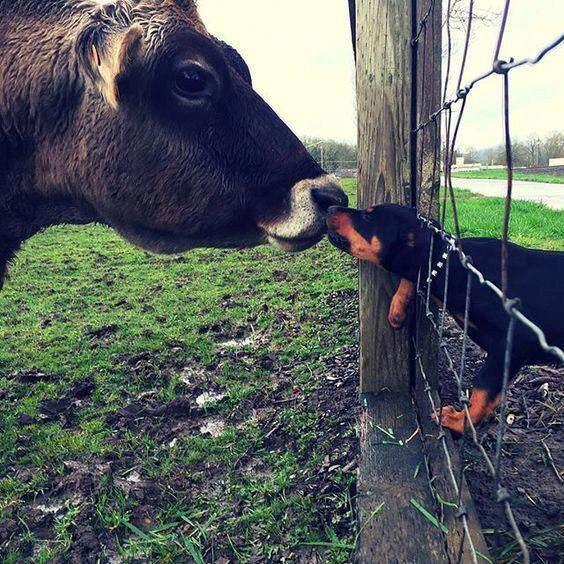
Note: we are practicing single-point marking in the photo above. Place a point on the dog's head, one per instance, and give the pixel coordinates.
(386, 235)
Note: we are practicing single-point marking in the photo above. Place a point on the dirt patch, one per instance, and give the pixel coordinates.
(108, 500)
(89, 488)
(535, 415)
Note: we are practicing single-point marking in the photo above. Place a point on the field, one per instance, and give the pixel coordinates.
(194, 408)
(531, 225)
(499, 174)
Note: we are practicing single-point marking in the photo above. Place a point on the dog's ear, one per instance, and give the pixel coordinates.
(409, 238)
(110, 60)
(411, 231)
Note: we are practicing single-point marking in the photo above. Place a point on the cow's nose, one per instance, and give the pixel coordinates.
(325, 197)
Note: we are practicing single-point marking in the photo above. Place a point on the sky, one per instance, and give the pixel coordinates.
(303, 66)
(536, 92)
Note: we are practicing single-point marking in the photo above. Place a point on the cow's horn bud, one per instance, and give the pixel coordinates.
(113, 65)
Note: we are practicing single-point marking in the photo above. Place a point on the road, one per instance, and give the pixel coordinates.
(550, 194)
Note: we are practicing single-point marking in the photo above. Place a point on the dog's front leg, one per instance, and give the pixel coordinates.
(397, 313)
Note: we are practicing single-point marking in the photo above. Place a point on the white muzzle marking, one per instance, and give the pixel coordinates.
(304, 222)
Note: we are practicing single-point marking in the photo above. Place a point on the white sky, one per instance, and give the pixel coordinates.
(302, 66)
(536, 92)
(300, 56)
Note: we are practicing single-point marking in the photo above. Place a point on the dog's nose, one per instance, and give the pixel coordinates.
(328, 196)
(333, 210)
(332, 218)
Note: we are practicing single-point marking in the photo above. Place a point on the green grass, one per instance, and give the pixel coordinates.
(82, 302)
(501, 173)
(531, 224)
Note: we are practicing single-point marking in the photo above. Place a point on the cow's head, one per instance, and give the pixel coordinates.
(176, 150)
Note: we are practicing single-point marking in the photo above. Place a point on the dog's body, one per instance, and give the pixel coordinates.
(392, 237)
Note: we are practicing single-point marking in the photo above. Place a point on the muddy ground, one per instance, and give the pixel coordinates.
(533, 453)
(83, 480)
(533, 457)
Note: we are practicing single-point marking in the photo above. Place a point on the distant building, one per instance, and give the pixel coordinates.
(461, 165)
(556, 162)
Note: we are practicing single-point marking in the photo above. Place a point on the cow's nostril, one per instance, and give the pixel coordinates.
(327, 197)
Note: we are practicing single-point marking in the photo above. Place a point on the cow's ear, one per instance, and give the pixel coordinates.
(112, 62)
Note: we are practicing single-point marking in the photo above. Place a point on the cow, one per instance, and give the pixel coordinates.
(129, 113)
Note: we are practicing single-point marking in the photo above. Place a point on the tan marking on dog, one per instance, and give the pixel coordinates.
(359, 246)
(397, 313)
(481, 407)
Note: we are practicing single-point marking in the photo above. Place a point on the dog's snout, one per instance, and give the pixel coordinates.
(328, 196)
(332, 210)
(332, 216)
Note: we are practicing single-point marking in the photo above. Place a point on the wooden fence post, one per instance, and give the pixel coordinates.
(428, 173)
(390, 476)
(398, 85)
(384, 107)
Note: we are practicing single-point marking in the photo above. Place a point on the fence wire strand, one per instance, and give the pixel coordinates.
(452, 249)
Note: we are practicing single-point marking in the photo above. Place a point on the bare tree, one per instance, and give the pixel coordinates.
(459, 12)
(533, 144)
(554, 145)
(520, 154)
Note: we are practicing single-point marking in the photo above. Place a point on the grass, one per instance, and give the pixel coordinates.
(501, 174)
(531, 224)
(83, 303)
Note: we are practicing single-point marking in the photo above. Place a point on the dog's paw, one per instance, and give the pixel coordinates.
(396, 322)
(397, 314)
(451, 419)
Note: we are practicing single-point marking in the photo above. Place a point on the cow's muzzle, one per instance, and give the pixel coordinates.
(303, 224)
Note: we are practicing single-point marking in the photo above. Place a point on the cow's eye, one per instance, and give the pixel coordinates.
(192, 82)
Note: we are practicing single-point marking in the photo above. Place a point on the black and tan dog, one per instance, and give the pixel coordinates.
(392, 237)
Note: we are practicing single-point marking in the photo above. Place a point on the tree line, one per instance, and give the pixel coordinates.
(334, 156)
(531, 152)
(337, 156)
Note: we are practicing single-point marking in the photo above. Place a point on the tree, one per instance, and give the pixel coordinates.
(554, 146)
(332, 155)
(519, 154)
(500, 155)
(470, 156)
(533, 145)
(490, 155)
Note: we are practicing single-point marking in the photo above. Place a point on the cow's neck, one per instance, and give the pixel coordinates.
(28, 116)
(22, 220)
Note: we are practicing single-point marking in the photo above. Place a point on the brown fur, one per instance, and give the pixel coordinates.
(481, 407)
(399, 305)
(90, 129)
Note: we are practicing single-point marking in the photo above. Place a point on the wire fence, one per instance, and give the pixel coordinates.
(453, 249)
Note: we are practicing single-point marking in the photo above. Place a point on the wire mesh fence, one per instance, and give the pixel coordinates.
(453, 249)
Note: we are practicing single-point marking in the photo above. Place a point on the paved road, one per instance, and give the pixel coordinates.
(550, 194)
